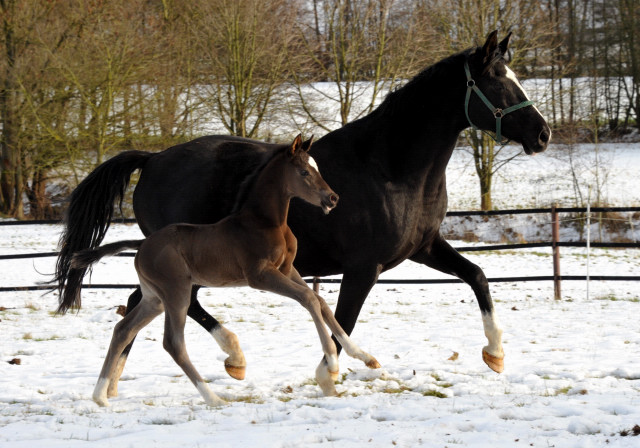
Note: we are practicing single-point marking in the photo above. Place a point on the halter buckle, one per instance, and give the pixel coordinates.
(498, 113)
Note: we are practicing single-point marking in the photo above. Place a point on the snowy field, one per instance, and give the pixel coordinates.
(572, 367)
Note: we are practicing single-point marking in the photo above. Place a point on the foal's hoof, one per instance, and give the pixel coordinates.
(496, 364)
(373, 363)
(235, 371)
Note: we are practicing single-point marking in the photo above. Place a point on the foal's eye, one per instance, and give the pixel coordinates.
(304, 173)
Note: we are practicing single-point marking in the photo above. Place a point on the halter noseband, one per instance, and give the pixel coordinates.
(496, 111)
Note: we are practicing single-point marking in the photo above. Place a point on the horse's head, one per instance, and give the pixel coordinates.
(304, 178)
(495, 101)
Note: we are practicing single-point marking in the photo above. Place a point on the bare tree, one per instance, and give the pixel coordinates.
(243, 45)
(351, 41)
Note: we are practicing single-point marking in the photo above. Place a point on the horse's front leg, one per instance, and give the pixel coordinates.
(444, 258)
(272, 280)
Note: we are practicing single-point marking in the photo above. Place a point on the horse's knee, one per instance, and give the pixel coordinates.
(174, 347)
(310, 302)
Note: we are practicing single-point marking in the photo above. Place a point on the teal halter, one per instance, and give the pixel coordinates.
(496, 111)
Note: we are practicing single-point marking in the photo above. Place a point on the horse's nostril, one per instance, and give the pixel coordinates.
(544, 136)
(334, 198)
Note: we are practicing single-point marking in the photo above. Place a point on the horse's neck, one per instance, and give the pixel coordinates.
(413, 135)
(268, 200)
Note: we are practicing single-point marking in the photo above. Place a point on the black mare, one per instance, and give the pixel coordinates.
(388, 167)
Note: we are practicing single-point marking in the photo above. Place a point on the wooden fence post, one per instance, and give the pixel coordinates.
(555, 238)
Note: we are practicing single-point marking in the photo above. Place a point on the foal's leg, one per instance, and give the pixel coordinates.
(123, 334)
(273, 280)
(445, 258)
(349, 346)
(235, 364)
(132, 302)
(177, 303)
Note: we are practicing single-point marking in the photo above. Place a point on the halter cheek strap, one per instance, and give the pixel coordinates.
(496, 111)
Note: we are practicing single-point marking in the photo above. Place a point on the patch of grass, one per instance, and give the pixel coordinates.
(614, 298)
(31, 306)
(563, 391)
(434, 393)
(395, 390)
(247, 399)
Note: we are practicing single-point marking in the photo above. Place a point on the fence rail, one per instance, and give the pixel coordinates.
(555, 244)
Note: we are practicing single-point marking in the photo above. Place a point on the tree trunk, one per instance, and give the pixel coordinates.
(11, 184)
(39, 204)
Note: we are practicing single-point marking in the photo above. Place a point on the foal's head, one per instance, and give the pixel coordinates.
(303, 178)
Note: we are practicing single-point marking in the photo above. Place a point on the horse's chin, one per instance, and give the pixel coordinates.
(327, 209)
(532, 150)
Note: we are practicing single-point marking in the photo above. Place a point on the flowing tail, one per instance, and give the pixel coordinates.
(83, 259)
(89, 215)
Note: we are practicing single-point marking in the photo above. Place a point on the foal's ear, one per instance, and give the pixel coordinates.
(306, 145)
(295, 146)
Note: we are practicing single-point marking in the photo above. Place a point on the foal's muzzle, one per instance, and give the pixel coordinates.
(329, 202)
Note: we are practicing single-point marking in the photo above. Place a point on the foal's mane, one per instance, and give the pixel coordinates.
(247, 184)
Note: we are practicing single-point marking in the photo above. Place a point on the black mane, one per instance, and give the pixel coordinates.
(405, 94)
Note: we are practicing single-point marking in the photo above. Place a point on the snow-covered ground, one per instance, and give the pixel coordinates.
(572, 367)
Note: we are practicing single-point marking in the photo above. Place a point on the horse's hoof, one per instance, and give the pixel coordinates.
(235, 371)
(373, 363)
(101, 401)
(496, 364)
(328, 388)
(215, 402)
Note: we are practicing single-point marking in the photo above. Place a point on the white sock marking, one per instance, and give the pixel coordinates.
(209, 397)
(100, 392)
(494, 334)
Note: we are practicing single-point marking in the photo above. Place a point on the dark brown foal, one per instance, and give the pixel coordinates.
(253, 247)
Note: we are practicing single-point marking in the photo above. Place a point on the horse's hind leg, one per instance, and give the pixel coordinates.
(123, 334)
(235, 364)
(132, 302)
(174, 344)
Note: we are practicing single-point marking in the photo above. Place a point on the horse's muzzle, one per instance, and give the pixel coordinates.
(329, 202)
(539, 144)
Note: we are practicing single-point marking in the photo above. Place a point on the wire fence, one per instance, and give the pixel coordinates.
(554, 244)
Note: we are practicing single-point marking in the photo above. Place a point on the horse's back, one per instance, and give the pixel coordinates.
(196, 181)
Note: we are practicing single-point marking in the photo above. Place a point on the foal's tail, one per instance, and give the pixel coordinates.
(83, 259)
(89, 215)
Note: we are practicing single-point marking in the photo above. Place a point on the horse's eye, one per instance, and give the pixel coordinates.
(304, 173)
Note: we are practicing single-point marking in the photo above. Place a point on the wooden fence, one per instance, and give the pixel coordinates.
(555, 245)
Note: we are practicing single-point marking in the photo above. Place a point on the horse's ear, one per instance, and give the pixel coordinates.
(503, 46)
(295, 146)
(490, 48)
(306, 145)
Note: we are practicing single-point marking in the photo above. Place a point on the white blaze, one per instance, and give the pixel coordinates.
(313, 163)
(512, 76)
